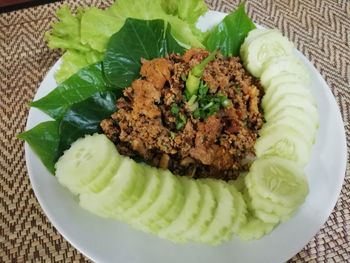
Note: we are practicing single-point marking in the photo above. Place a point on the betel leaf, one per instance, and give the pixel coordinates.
(229, 34)
(137, 39)
(78, 87)
(85, 117)
(44, 139)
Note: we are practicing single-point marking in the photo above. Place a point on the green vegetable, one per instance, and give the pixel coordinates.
(73, 61)
(120, 194)
(85, 117)
(78, 87)
(284, 65)
(229, 34)
(278, 180)
(182, 30)
(44, 139)
(89, 164)
(224, 214)
(175, 109)
(153, 186)
(187, 10)
(207, 206)
(188, 213)
(87, 33)
(194, 76)
(65, 34)
(137, 39)
(263, 45)
(208, 104)
(181, 121)
(154, 217)
(285, 142)
(97, 26)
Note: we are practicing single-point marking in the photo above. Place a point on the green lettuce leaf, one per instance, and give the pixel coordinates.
(97, 26)
(137, 39)
(152, 9)
(85, 117)
(73, 61)
(78, 87)
(229, 35)
(65, 34)
(186, 10)
(44, 140)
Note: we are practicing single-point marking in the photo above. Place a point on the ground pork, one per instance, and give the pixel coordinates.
(219, 146)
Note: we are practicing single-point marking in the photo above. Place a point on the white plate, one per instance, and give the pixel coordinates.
(105, 240)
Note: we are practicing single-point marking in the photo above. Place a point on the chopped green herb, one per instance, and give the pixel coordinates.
(208, 104)
(175, 109)
(181, 121)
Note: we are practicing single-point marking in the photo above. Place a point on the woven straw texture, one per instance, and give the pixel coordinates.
(319, 28)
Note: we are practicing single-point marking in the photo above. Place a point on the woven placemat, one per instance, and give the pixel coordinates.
(319, 28)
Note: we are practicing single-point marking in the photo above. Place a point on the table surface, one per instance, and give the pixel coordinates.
(320, 29)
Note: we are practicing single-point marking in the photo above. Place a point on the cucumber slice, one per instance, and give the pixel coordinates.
(255, 229)
(277, 92)
(251, 36)
(175, 209)
(207, 208)
(263, 48)
(279, 180)
(283, 65)
(151, 192)
(221, 225)
(148, 220)
(122, 192)
(84, 161)
(267, 217)
(285, 78)
(190, 211)
(257, 202)
(105, 176)
(240, 217)
(283, 142)
(293, 100)
(290, 122)
(239, 182)
(296, 113)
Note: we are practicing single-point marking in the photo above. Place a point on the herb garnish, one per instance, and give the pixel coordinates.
(208, 104)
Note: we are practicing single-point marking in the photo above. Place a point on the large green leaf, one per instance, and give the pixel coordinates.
(229, 35)
(78, 87)
(44, 139)
(85, 117)
(137, 39)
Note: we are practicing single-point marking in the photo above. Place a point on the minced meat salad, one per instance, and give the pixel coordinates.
(210, 132)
